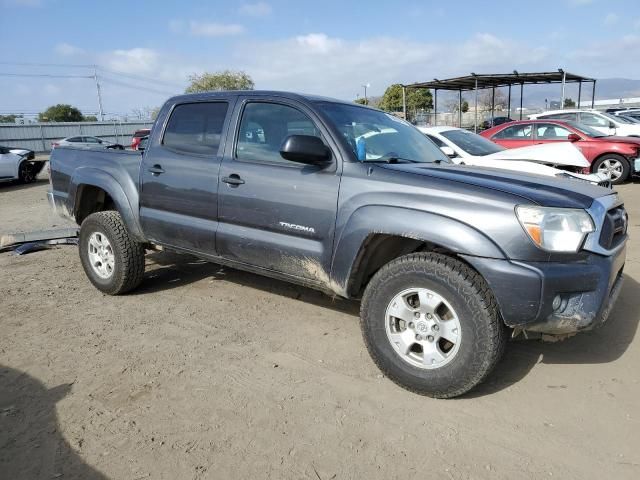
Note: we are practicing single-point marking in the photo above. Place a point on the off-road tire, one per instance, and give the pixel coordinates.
(128, 270)
(626, 167)
(483, 333)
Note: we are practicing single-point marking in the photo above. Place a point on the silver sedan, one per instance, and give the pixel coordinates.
(86, 142)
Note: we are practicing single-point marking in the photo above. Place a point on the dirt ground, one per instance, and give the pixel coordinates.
(207, 372)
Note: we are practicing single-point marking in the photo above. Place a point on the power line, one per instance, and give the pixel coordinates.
(139, 77)
(135, 87)
(29, 64)
(46, 75)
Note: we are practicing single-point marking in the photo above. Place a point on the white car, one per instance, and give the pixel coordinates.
(466, 147)
(86, 142)
(19, 164)
(601, 121)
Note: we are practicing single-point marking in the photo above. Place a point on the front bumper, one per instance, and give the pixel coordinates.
(584, 292)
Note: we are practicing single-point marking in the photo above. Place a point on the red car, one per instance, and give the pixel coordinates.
(614, 155)
(137, 135)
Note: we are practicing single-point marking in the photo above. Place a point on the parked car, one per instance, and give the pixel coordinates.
(618, 156)
(465, 147)
(19, 164)
(603, 122)
(87, 142)
(629, 113)
(137, 135)
(496, 121)
(448, 260)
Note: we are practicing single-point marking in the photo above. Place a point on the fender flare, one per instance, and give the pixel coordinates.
(445, 232)
(94, 177)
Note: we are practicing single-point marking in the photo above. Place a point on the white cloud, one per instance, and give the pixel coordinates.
(610, 19)
(212, 29)
(258, 9)
(67, 49)
(135, 60)
(608, 59)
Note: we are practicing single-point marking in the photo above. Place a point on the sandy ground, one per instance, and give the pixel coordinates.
(206, 372)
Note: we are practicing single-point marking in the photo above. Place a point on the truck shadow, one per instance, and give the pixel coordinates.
(30, 436)
(15, 185)
(603, 345)
(167, 270)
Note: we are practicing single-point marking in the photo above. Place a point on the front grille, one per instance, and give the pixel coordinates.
(614, 228)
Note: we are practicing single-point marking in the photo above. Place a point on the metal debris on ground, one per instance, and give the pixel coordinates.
(28, 242)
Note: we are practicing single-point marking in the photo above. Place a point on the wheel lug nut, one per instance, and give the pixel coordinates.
(411, 325)
(418, 337)
(417, 314)
(429, 315)
(430, 338)
(435, 328)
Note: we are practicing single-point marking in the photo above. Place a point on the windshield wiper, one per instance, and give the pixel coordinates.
(391, 159)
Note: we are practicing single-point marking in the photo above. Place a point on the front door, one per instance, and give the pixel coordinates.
(179, 172)
(275, 213)
(515, 136)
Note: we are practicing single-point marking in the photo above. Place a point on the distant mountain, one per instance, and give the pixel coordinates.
(606, 88)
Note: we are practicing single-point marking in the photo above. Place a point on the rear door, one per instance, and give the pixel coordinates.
(179, 176)
(515, 136)
(275, 213)
(550, 133)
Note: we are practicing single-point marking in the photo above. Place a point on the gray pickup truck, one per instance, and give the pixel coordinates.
(447, 260)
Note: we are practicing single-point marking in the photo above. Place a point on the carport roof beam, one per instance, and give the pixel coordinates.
(496, 80)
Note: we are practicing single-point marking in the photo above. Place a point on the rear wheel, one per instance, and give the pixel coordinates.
(431, 325)
(616, 166)
(27, 172)
(111, 258)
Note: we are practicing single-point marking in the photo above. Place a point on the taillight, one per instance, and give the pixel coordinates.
(54, 144)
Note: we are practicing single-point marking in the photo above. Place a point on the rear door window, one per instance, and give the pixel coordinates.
(549, 131)
(593, 120)
(196, 127)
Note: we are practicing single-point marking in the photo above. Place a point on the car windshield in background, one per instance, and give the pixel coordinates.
(471, 143)
(373, 135)
(616, 119)
(588, 131)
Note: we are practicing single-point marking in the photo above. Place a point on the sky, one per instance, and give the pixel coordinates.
(146, 50)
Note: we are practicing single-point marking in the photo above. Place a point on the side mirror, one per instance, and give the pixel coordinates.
(143, 143)
(573, 137)
(612, 125)
(305, 149)
(448, 151)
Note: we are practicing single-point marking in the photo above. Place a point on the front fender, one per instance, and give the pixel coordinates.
(126, 206)
(414, 224)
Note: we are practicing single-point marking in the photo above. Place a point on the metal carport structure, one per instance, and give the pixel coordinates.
(475, 82)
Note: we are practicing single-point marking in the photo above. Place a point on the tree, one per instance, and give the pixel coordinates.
(417, 99)
(60, 113)
(465, 106)
(8, 118)
(224, 80)
(569, 103)
(90, 118)
(360, 101)
(485, 98)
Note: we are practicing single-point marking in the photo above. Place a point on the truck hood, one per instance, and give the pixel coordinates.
(540, 189)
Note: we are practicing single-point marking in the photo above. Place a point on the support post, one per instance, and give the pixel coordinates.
(593, 95)
(435, 107)
(459, 108)
(475, 122)
(44, 145)
(564, 81)
(404, 101)
(579, 92)
(509, 103)
(521, 94)
(493, 104)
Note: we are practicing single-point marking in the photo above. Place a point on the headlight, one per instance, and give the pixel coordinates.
(555, 229)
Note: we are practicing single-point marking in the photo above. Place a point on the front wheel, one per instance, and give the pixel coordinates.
(431, 324)
(27, 172)
(111, 258)
(616, 166)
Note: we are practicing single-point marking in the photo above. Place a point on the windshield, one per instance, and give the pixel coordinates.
(588, 131)
(471, 143)
(613, 118)
(373, 135)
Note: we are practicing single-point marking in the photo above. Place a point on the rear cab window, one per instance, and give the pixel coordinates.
(196, 128)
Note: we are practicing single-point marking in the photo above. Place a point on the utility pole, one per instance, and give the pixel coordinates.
(95, 77)
(365, 86)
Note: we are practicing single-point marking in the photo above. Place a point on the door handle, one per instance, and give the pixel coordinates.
(156, 170)
(233, 180)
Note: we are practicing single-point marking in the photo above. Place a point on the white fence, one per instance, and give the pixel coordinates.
(38, 136)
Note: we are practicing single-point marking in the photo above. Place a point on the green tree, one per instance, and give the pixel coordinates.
(90, 118)
(8, 118)
(224, 80)
(360, 101)
(60, 113)
(465, 106)
(417, 99)
(569, 103)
